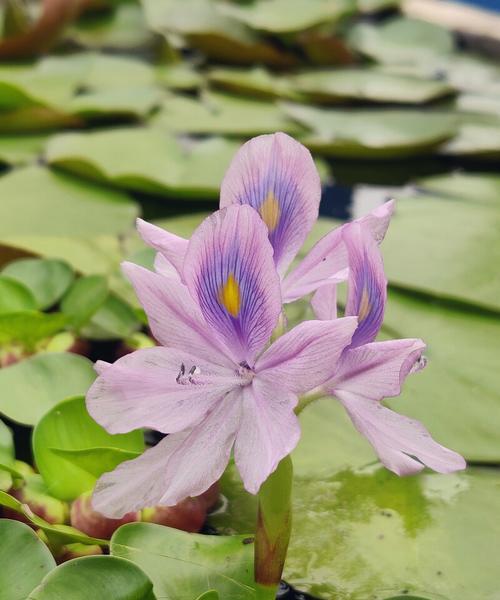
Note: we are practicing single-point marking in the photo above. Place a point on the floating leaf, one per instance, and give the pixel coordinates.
(288, 16)
(475, 187)
(179, 76)
(201, 24)
(222, 114)
(46, 279)
(56, 534)
(145, 159)
(402, 41)
(31, 198)
(184, 565)
(84, 298)
(96, 577)
(20, 149)
(367, 84)
(115, 319)
(130, 103)
(257, 82)
(24, 560)
(371, 133)
(475, 140)
(67, 428)
(6, 444)
(30, 388)
(457, 269)
(28, 328)
(14, 296)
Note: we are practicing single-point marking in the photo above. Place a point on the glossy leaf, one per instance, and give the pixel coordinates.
(68, 428)
(371, 133)
(401, 40)
(482, 188)
(56, 534)
(367, 84)
(26, 329)
(184, 565)
(6, 444)
(31, 387)
(84, 298)
(32, 196)
(15, 296)
(46, 279)
(222, 114)
(252, 82)
(113, 320)
(145, 160)
(24, 560)
(96, 577)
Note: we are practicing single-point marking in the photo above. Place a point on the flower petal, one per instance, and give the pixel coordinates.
(229, 270)
(171, 246)
(324, 302)
(174, 318)
(367, 284)
(306, 356)
(377, 370)
(327, 261)
(181, 465)
(276, 175)
(269, 431)
(161, 388)
(403, 445)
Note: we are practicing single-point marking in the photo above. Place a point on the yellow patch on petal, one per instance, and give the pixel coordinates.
(364, 306)
(269, 211)
(229, 296)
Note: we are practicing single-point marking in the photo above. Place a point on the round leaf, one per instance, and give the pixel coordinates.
(84, 298)
(67, 428)
(31, 387)
(15, 296)
(96, 577)
(47, 279)
(24, 560)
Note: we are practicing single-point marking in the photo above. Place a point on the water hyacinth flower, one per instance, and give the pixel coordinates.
(214, 385)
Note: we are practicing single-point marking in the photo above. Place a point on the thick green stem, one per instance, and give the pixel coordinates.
(274, 522)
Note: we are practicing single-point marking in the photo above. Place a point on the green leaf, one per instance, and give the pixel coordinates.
(84, 298)
(115, 319)
(210, 595)
(458, 269)
(6, 444)
(475, 141)
(31, 387)
(46, 279)
(367, 84)
(60, 205)
(222, 114)
(145, 160)
(24, 560)
(20, 149)
(256, 81)
(66, 428)
(26, 329)
(184, 565)
(56, 534)
(372, 133)
(179, 76)
(96, 577)
(202, 24)
(402, 41)
(14, 296)
(133, 102)
(370, 533)
(475, 187)
(288, 16)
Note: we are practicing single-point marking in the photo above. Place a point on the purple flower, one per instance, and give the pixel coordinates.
(214, 385)
(369, 371)
(276, 175)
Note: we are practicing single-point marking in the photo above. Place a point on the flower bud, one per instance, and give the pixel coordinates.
(211, 496)
(34, 494)
(86, 519)
(71, 551)
(188, 515)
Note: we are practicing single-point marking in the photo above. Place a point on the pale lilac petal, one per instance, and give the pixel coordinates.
(269, 431)
(138, 483)
(164, 267)
(183, 464)
(367, 284)
(306, 356)
(161, 388)
(377, 370)
(403, 445)
(173, 247)
(276, 175)
(229, 270)
(324, 302)
(174, 318)
(327, 261)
